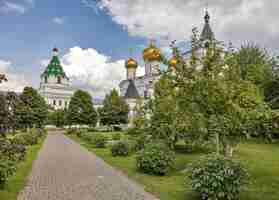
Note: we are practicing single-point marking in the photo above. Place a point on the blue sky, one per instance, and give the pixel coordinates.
(94, 38)
(27, 38)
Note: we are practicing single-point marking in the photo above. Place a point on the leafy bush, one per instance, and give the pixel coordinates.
(87, 136)
(116, 136)
(11, 151)
(71, 131)
(18, 139)
(155, 158)
(218, 178)
(7, 169)
(100, 140)
(141, 141)
(30, 139)
(120, 148)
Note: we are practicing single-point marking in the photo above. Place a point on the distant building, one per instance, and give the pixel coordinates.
(135, 87)
(55, 86)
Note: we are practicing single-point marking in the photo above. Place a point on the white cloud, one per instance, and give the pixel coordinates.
(234, 20)
(58, 20)
(15, 6)
(16, 82)
(93, 71)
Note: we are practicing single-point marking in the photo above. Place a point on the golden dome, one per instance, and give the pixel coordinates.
(131, 63)
(173, 62)
(152, 53)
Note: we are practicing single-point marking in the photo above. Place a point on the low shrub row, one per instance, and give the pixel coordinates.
(13, 150)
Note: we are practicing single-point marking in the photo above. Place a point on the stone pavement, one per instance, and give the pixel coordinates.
(66, 171)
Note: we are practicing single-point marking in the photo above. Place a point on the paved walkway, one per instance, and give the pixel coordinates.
(66, 171)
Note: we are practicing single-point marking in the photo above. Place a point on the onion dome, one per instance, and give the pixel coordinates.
(152, 53)
(173, 62)
(131, 63)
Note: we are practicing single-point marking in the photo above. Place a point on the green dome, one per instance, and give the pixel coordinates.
(54, 68)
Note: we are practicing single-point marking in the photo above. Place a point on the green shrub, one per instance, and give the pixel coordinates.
(218, 178)
(11, 151)
(141, 141)
(71, 131)
(116, 136)
(100, 140)
(120, 148)
(18, 139)
(30, 139)
(7, 169)
(87, 137)
(155, 159)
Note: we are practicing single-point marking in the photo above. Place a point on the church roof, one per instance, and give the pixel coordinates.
(54, 68)
(207, 33)
(132, 92)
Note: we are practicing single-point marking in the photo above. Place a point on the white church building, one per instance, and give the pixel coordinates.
(55, 86)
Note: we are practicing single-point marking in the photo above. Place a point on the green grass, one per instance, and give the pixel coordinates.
(17, 182)
(262, 161)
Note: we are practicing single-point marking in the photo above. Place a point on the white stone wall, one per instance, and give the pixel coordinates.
(56, 95)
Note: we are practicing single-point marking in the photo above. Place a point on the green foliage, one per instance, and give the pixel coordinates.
(29, 138)
(57, 118)
(120, 148)
(218, 178)
(81, 110)
(141, 141)
(100, 140)
(32, 109)
(255, 64)
(12, 151)
(115, 110)
(271, 93)
(7, 169)
(155, 158)
(116, 136)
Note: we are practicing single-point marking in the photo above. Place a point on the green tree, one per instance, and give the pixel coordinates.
(255, 64)
(3, 114)
(115, 110)
(12, 101)
(57, 118)
(32, 109)
(81, 110)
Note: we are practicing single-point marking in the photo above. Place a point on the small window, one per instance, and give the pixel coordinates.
(45, 79)
(60, 103)
(54, 102)
(59, 80)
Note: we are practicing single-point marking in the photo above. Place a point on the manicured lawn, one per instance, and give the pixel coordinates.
(262, 161)
(17, 182)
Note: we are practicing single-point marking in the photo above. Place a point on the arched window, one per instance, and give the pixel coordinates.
(60, 103)
(59, 80)
(54, 102)
(45, 79)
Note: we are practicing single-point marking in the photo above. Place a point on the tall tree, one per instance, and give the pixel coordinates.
(12, 101)
(255, 63)
(57, 118)
(81, 110)
(3, 114)
(115, 110)
(32, 109)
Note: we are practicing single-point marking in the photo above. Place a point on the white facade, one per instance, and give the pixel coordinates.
(55, 86)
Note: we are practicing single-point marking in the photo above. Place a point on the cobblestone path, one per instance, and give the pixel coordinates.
(66, 171)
